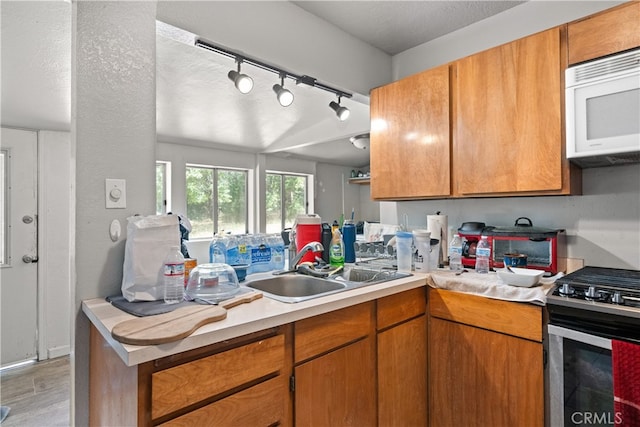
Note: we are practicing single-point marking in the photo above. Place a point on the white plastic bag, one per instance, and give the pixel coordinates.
(148, 241)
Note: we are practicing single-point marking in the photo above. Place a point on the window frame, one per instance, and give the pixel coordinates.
(215, 209)
(307, 182)
(166, 186)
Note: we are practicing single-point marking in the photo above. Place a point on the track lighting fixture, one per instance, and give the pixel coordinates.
(285, 97)
(242, 82)
(341, 112)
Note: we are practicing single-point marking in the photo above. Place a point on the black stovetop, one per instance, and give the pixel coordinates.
(603, 278)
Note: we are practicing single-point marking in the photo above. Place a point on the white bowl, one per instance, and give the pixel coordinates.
(520, 277)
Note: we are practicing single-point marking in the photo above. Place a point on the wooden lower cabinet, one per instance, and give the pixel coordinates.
(480, 377)
(244, 381)
(402, 359)
(402, 374)
(335, 372)
(338, 388)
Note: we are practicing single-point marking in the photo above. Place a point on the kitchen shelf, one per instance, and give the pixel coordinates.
(365, 180)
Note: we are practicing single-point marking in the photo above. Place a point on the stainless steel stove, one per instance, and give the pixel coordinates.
(606, 290)
(588, 310)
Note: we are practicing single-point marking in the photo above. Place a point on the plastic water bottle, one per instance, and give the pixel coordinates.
(455, 253)
(483, 253)
(173, 276)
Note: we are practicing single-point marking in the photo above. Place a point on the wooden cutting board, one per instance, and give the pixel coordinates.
(177, 324)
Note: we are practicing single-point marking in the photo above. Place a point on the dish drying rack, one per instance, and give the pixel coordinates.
(375, 255)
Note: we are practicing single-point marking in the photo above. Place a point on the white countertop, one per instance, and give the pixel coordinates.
(261, 314)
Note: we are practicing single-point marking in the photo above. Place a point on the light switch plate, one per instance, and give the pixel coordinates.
(115, 193)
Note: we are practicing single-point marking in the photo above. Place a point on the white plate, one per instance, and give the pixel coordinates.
(523, 277)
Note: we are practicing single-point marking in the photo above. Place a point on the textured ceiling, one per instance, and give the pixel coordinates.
(196, 103)
(396, 26)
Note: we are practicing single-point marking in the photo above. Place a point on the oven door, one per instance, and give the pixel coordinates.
(580, 379)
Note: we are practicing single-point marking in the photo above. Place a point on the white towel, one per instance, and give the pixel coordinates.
(490, 286)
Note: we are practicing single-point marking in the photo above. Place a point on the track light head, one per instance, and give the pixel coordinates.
(341, 112)
(242, 82)
(285, 97)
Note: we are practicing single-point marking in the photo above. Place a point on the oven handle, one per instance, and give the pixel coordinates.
(578, 336)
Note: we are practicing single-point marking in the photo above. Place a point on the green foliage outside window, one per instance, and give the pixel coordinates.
(216, 201)
(286, 197)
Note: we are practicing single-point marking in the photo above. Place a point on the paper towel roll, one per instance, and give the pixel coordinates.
(438, 226)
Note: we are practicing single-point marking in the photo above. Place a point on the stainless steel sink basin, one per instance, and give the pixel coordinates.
(296, 287)
(292, 288)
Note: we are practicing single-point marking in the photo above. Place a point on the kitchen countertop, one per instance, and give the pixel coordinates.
(244, 319)
(267, 313)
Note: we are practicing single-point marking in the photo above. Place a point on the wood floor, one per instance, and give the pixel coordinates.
(37, 394)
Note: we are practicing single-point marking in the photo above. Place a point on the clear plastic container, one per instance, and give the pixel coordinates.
(173, 271)
(404, 243)
(213, 282)
(483, 253)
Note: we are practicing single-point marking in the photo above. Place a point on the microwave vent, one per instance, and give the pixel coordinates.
(607, 160)
(605, 67)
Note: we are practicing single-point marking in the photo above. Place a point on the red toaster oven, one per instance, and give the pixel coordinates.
(539, 244)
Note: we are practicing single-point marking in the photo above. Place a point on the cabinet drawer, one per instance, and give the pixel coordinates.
(319, 334)
(189, 383)
(260, 405)
(399, 307)
(512, 318)
(605, 33)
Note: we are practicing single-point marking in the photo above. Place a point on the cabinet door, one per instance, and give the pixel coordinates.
(402, 374)
(508, 136)
(410, 138)
(483, 378)
(337, 389)
(605, 33)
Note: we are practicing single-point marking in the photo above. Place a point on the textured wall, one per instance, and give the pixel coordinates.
(113, 131)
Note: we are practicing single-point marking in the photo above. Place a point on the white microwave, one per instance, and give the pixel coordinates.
(603, 111)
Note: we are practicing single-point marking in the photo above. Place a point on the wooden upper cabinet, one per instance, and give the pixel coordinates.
(605, 33)
(508, 120)
(410, 137)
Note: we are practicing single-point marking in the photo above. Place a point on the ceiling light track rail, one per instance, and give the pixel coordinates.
(299, 79)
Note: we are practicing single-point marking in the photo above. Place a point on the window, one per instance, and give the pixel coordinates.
(162, 195)
(286, 197)
(216, 201)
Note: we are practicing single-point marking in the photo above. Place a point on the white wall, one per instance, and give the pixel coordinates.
(54, 243)
(113, 130)
(528, 18)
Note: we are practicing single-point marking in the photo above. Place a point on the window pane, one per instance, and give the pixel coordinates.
(161, 190)
(200, 201)
(274, 203)
(232, 202)
(295, 198)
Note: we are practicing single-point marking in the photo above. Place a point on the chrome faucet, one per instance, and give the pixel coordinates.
(293, 265)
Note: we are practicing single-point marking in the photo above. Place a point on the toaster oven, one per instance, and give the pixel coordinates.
(539, 244)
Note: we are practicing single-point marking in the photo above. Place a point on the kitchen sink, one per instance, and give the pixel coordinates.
(296, 287)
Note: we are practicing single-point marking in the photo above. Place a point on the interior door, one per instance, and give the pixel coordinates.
(18, 252)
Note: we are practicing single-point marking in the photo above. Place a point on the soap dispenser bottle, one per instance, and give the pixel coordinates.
(336, 250)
